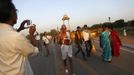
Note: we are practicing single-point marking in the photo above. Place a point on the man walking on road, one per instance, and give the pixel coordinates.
(79, 41)
(66, 48)
(87, 40)
(46, 42)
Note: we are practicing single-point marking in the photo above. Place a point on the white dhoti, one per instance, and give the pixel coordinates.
(66, 51)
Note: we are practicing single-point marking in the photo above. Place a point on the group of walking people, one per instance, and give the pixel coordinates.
(15, 48)
(110, 43)
(81, 36)
(42, 42)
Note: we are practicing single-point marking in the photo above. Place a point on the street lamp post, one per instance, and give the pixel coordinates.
(109, 18)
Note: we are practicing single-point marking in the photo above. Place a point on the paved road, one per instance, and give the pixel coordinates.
(43, 65)
(52, 65)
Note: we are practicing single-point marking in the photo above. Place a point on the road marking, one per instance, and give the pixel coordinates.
(130, 51)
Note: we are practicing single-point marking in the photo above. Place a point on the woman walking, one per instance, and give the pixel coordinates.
(105, 44)
(115, 42)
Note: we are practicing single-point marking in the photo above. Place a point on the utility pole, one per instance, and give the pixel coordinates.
(109, 18)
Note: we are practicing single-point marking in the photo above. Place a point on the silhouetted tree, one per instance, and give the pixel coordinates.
(130, 23)
(96, 26)
(119, 23)
(53, 32)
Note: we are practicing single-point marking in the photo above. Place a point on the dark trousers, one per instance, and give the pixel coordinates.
(79, 44)
(88, 45)
(38, 44)
(47, 48)
(68, 64)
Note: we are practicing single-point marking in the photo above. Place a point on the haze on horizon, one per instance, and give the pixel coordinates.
(47, 14)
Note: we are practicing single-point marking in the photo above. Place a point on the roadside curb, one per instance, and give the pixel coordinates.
(128, 46)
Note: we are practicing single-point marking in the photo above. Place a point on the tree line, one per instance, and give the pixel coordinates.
(117, 24)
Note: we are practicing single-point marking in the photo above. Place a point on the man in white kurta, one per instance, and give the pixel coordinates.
(66, 50)
(87, 40)
(14, 49)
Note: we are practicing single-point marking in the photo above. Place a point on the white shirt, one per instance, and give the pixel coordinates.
(85, 34)
(49, 37)
(37, 37)
(66, 50)
(14, 48)
(45, 39)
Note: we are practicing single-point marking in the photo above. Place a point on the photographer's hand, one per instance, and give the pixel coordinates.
(22, 27)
